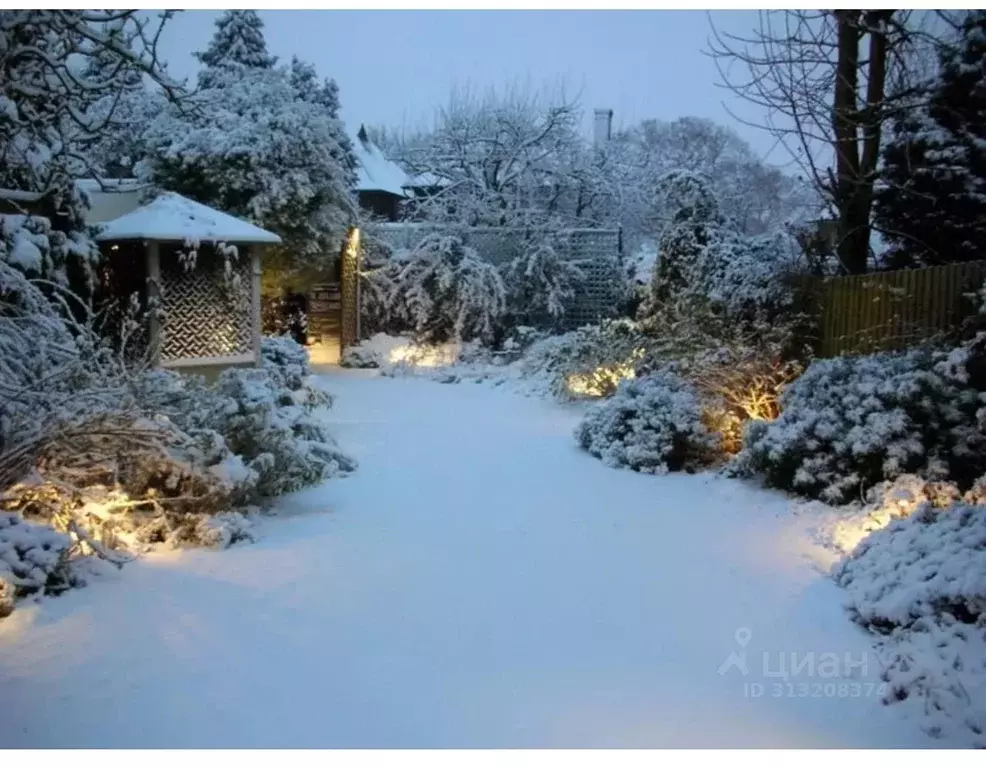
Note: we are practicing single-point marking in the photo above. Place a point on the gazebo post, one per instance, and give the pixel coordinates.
(153, 256)
(256, 273)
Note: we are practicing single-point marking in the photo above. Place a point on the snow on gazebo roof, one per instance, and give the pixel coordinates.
(173, 217)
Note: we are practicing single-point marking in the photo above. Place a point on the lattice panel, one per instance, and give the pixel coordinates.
(206, 314)
(597, 252)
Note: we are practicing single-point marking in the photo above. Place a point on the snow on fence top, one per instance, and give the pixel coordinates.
(173, 217)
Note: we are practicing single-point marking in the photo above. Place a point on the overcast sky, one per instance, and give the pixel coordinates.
(395, 67)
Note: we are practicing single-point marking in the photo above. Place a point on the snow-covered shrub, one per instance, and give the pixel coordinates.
(441, 291)
(373, 352)
(920, 583)
(928, 563)
(541, 284)
(651, 424)
(587, 362)
(287, 358)
(851, 422)
(738, 368)
(704, 259)
(262, 422)
(118, 458)
(33, 558)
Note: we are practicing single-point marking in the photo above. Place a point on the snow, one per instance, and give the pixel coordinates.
(478, 582)
(375, 171)
(173, 217)
(110, 198)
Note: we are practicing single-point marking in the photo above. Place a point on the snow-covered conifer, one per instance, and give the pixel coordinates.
(237, 42)
(652, 425)
(850, 423)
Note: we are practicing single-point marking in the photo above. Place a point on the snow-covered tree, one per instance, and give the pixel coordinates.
(695, 226)
(257, 147)
(931, 207)
(324, 94)
(238, 42)
(756, 196)
(704, 259)
(61, 73)
(541, 284)
(495, 160)
(441, 290)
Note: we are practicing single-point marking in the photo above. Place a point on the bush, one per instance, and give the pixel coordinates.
(263, 423)
(920, 583)
(373, 352)
(652, 425)
(928, 563)
(33, 559)
(588, 362)
(113, 459)
(852, 422)
(287, 359)
(440, 291)
(540, 286)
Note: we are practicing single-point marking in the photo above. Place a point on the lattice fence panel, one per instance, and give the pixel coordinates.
(206, 314)
(597, 252)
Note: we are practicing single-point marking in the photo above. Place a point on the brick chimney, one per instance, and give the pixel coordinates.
(602, 127)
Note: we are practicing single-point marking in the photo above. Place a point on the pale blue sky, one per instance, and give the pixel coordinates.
(395, 67)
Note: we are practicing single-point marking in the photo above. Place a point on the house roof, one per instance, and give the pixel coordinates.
(375, 172)
(173, 217)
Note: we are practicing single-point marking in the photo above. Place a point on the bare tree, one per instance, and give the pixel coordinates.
(55, 65)
(828, 81)
(496, 159)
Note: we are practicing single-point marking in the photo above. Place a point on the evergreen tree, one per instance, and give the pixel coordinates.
(695, 225)
(325, 95)
(265, 143)
(932, 206)
(238, 42)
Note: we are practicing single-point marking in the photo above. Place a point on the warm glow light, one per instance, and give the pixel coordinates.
(421, 356)
(847, 533)
(904, 497)
(603, 380)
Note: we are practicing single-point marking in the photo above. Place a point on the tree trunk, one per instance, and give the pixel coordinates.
(845, 123)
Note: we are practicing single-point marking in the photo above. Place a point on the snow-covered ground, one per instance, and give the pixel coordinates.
(478, 582)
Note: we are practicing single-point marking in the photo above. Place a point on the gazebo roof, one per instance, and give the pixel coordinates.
(172, 217)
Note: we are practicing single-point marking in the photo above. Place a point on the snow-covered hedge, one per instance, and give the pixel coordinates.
(652, 424)
(851, 422)
(439, 291)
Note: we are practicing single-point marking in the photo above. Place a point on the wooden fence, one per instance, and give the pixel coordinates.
(892, 310)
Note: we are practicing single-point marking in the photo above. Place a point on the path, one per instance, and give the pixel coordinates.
(479, 582)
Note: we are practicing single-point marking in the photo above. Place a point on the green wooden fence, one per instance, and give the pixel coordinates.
(865, 313)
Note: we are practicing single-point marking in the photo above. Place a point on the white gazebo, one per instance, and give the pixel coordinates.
(198, 265)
